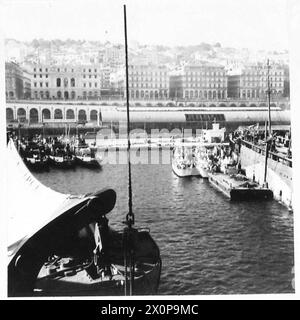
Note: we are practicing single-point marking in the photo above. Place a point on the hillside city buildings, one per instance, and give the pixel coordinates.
(146, 82)
(75, 70)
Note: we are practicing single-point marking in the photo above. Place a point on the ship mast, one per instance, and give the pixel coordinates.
(128, 235)
(268, 141)
(128, 120)
(269, 97)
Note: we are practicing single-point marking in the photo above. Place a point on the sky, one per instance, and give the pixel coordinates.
(255, 24)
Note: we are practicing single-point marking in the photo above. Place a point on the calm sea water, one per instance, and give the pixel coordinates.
(208, 244)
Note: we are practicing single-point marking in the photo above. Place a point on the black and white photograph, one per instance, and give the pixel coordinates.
(149, 148)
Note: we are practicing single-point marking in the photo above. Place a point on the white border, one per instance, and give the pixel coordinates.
(293, 12)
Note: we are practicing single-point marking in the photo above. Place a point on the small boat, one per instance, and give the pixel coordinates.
(87, 157)
(238, 187)
(34, 156)
(62, 158)
(36, 162)
(184, 163)
(62, 245)
(62, 161)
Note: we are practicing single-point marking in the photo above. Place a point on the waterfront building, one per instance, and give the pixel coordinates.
(88, 82)
(147, 81)
(199, 82)
(251, 82)
(17, 82)
(36, 114)
(191, 83)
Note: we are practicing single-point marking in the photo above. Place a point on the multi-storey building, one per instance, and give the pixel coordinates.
(26, 84)
(286, 86)
(69, 82)
(198, 82)
(252, 82)
(17, 82)
(113, 56)
(148, 81)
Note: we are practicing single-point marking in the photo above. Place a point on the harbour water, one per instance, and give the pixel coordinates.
(208, 244)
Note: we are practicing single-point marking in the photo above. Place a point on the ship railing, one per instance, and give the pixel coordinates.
(272, 155)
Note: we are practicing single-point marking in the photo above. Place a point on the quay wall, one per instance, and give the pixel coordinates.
(279, 175)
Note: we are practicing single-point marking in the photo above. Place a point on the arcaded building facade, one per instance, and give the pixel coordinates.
(148, 82)
(252, 82)
(69, 82)
(199, 82)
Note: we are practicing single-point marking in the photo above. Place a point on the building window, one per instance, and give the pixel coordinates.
(47, 84)
(34, 76)
(72, 82)
(35, 84)
(95, 84)
(40, 75)
(41, 84)
(58, 70)
(46, 76)
(40, 69)
(58, 113)
(58, 82)
(46, 69)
